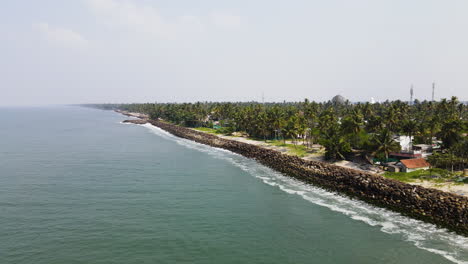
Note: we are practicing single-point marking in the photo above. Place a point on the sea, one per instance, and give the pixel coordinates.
(79, 186)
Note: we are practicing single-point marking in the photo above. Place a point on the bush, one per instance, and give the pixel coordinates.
(225, 130)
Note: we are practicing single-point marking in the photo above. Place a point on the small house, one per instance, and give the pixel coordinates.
(409, 165)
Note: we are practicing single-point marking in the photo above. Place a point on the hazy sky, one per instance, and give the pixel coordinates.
(88, 51)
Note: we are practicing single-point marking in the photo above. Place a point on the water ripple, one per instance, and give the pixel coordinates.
(423, 235)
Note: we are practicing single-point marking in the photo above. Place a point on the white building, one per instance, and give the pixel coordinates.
(405, 142)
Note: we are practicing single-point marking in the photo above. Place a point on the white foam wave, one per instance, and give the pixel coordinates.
(423, 235)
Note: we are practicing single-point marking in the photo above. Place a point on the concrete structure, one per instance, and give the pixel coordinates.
(338, 100)
(405, 142)
(424, 149)
(393, 168)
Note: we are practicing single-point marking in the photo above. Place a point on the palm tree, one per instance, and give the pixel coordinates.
(263, 124)
(450, 132)
(391, 119)
(290, 130)
(461, 152)
(322, 121)
(326, 119)
(410, 127)
(453, 106)
(351, 126)
(301, 126)
(433, 125)
(384, 144)
(352, 123)
(277, 116)
(374, 124)
(336, 146)
(367, 110)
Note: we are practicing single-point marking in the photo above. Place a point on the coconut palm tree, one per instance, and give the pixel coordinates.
(384, 144)
(410, 127)
(336, 146)
(450, 133)
(263, 124)
(277, 116)
(351, 125)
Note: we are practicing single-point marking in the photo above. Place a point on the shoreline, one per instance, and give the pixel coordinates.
(430, 205)
(446, 186)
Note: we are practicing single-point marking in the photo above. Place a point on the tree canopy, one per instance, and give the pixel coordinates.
(339, 127)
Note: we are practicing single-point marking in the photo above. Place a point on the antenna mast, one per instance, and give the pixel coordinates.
(411, 95)
(433, 88)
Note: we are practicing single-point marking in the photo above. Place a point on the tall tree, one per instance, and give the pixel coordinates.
(384, 144)
(450, 132)
(410, 127)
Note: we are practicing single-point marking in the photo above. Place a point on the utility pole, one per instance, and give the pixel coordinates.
(433, 89)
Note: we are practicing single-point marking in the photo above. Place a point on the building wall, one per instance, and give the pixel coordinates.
(405, 142)
(410, 170)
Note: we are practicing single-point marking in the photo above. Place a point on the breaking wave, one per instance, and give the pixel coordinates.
(423, 235)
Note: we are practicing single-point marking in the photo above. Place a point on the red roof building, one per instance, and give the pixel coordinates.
(414, 164)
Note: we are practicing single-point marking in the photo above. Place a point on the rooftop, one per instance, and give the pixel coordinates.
(422, 145)
(415, 163)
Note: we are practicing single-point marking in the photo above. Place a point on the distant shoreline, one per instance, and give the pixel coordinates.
(441, 208)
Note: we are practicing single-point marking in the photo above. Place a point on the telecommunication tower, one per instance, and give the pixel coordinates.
(411, 95)
(433, 89)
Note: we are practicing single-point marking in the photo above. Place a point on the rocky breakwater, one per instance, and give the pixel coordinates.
(136, 121)
(132, 114)
(430, 205)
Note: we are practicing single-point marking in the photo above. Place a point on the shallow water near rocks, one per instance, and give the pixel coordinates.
(77, 186)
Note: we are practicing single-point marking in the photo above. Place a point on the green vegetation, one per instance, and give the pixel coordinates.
(341, 127)
(223, 130)
(435, 175)
(454, 157)
(207, 130)
(384, 144)
(298, 150)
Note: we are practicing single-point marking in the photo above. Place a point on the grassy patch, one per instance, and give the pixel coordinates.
(223, 130)
(298, 150)
(206, 130)
(433, 175)
(278, 143)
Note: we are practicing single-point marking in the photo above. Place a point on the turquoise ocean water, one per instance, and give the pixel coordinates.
(77, 186)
